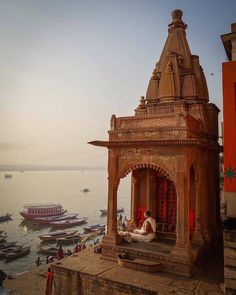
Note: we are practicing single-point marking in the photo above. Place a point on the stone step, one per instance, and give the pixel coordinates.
(140, 264)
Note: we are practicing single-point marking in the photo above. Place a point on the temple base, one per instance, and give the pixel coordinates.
(86, 273)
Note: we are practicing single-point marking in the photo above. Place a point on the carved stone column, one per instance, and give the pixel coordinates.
(197, 236)
(134, 195)
(112, 237)
(182, 251)
(205, 202)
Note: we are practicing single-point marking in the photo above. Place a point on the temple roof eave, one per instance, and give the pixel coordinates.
(145, 143)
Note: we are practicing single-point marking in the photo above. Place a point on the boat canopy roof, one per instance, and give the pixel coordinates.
(42, 205)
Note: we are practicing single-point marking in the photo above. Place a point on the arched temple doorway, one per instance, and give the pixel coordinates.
(152, 189)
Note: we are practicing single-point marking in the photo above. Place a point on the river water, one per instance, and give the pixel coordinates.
(64, 187)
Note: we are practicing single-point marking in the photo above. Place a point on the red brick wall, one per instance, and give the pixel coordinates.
(229, 113)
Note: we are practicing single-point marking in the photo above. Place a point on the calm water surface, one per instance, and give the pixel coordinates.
(64, 187)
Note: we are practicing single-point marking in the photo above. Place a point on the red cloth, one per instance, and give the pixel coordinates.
(49, 283)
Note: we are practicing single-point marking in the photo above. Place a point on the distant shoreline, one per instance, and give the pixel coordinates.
(22, 168)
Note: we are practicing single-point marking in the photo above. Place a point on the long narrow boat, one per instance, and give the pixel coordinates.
(68, 223)
(90, 236)
(8, 250)
(17, 253)
(91, 228)
(57, 234)
(2, 239)
(119, 210)
(48, 220)
(47, 250)
(2, 231)
(5, 217)
(70, 239)
(7, 245)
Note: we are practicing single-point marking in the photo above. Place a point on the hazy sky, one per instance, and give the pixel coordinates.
(67, 66)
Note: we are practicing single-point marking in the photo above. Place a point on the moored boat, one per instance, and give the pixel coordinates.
(119, 210)
(57, 234)
(17, 253)
(69, 239)
(8, 175)
(5, 217)
(8, 250)
(7, 245)
(2, 238)
(48, 220)
(90, 236)
(68, 223)
(47, 250)
(32, 211)
(91, 228)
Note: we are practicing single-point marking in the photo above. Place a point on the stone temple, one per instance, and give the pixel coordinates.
(170, 147)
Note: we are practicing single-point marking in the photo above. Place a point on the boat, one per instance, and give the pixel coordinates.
(57, 234)
(5, 217)
(48, 220)
(90, 236)
(69, 239)
(91, 228)
(17, 253)
(8, 175)
(32, 211)
(68, 223)
(2, 231)
(6, 245)
(8, 250)
(48, 250)
(2, 238)
(85, 190)
(105, 211)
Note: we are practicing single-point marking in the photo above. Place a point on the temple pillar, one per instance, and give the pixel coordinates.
(112, 237)
(182, 251)
(205, 205)
(134, 196)
(197, 236)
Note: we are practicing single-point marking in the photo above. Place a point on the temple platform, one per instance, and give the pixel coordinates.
(88, 274)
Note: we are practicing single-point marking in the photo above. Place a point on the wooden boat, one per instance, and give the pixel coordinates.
(32, 211)
(69, 239)
(68, 223)
(8, 175)
(48, 220)
(2, 231)
(8, 250)
(17, 253)
(47, 250)
(57, 234)
(5, 217)
(119, 210)
(90, 236)
(2, 238)
(88, 229)
(7, 245)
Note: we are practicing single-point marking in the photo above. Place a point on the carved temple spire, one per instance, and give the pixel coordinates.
(178, 74)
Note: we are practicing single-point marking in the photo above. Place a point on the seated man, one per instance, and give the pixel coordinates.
(146, 233)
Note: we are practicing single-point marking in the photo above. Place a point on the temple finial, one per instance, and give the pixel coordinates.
(177, 21)
(177, 15)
